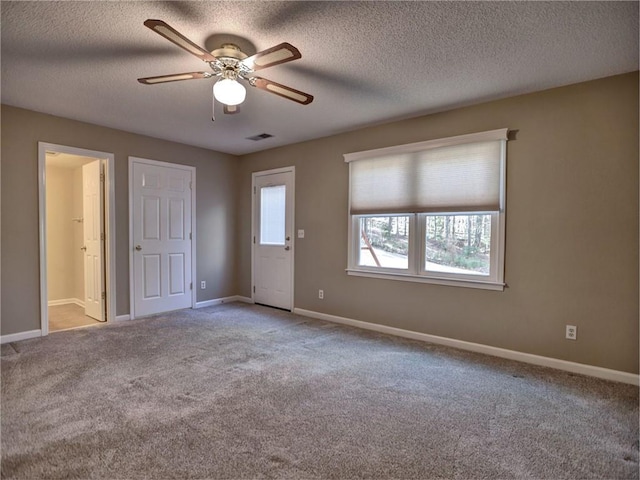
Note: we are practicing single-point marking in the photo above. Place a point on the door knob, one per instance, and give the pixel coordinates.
(288, 238)
(138, 247)
(84, 249)
(287, 247)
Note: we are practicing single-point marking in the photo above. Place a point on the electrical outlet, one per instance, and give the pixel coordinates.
(321, 294)
(203, 284)
(571, 332)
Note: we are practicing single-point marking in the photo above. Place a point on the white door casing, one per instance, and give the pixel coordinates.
(93, 221)
(108, 160)
(161, 229)
(273, 244)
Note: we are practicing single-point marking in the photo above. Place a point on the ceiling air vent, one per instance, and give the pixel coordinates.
(259, 137)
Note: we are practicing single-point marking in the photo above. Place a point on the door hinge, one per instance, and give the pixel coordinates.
(102, 236)
(254, 190)
(191, 185)
(254, 289)
(191, 286)
(102, 177)
(190, 236)
(104, 295)
(254, 239)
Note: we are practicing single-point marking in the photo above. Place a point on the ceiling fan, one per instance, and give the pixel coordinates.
(229, 64)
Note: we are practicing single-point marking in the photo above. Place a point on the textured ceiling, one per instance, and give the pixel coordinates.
(365, 62)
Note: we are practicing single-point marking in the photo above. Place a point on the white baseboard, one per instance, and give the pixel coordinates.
(66, 301)
(62, 301)
(16, 337)
(565, 365)
(206, 303)
(219, 301)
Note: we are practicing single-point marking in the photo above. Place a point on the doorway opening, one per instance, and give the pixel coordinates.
(76, 237)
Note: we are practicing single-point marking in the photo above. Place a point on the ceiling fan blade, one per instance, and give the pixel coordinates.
(171, 34)
(175, 77)
(231, 109)
(285, 52)
(282, 90)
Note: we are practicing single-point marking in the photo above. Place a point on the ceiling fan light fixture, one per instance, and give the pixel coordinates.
(230, 64)
(229, 91)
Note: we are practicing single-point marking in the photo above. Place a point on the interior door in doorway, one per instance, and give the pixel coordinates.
(161, 226)
(93, 231)
(273, 246)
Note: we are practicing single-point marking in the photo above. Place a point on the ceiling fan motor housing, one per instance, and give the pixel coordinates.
(229, 51)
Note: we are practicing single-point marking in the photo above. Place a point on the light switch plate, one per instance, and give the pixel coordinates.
(300, 233)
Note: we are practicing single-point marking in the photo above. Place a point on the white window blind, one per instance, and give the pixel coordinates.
(457, 174)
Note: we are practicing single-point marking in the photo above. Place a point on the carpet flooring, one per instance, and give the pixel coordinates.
(243, 391)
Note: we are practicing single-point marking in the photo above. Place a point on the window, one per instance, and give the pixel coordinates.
(272, 215)
(430, 211)
(384, 241)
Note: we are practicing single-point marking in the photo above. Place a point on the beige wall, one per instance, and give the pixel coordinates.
(64, 258)
(572, 227)
(215, 207)
(572, 222)
(65, 261)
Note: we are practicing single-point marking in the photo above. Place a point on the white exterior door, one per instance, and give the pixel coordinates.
(161, 234)
(272, 241)
(93, 228)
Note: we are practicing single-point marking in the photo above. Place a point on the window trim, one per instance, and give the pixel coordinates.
(416, 271)
(499, 134)
(430, 280)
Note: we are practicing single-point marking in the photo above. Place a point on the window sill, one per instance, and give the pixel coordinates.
(405, 277)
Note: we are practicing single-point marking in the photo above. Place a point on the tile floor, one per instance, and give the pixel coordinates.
(62, 317)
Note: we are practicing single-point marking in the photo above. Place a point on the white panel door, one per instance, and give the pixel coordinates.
(273, 246)
(93, 228)
(161, 224)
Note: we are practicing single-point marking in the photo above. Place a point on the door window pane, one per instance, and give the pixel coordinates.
(272, 215)
(384, 242)
(458, 244)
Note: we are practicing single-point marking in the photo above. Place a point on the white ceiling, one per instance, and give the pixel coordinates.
(365, 62)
